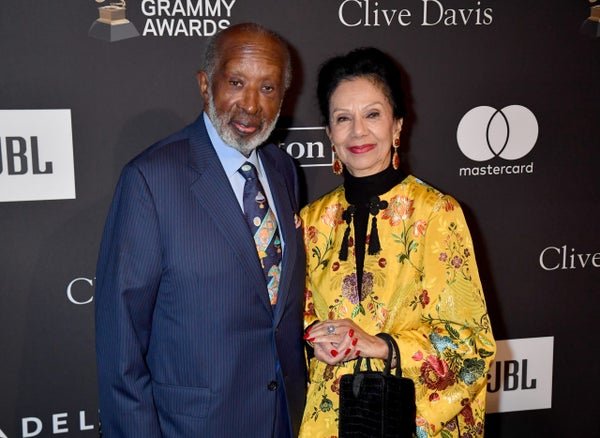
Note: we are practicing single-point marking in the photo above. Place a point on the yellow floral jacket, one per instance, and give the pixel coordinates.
(423, 288)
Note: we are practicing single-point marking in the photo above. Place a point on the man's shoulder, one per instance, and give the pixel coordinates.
(273, 157)
(276, 154)
(171, 149)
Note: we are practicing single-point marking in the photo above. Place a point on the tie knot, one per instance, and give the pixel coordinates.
(248, 171)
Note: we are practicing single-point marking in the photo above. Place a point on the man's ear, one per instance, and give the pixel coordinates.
(203, 84)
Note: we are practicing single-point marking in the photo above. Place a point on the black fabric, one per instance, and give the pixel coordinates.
(359, 191)
(377, 404)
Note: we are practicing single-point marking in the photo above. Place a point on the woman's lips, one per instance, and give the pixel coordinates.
(361, 149)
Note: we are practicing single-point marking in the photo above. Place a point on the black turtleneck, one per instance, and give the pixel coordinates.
(360, 192)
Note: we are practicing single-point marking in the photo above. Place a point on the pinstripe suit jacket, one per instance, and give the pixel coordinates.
(187, 342)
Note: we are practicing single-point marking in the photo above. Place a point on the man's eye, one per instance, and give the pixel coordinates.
(235, 83)
(268, 88)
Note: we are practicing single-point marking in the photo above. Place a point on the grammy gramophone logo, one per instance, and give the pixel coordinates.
(112, 24)
(591, 26)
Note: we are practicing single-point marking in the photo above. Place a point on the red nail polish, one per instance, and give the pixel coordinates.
(351, 332)
(310, 339)
(334, 353)
(347, 351)
(357, 353)
(306, 335)
(354, 341)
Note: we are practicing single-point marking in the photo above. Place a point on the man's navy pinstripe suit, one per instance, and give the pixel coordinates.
(188, 344)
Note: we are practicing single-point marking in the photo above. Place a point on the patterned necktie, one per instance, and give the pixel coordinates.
(263, 225)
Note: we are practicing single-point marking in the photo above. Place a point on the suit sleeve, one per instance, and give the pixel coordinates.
(128, 276)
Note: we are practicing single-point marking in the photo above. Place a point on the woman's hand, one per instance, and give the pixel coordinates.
(341, 340)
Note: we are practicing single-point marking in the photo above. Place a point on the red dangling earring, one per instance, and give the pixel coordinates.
(337, 165)
(395, 157)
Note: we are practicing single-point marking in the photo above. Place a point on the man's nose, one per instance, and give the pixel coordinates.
(249, 101)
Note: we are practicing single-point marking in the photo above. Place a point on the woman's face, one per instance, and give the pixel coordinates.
(362, 126)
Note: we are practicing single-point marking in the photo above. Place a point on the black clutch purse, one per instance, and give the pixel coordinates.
(377, 404)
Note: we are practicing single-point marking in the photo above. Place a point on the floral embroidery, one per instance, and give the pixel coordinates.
(456, 262)
(350, 287)
(423, 299)
(309, 310)
(471, 370)
(400, 208)
(328, 374)
(333, 215)
(419, 228)
(455, 255)
(436, 374)
(326, 404)
(335, 386)
(448, 205)
(312, 234)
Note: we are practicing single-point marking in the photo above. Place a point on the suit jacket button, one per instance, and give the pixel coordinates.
(272, 386)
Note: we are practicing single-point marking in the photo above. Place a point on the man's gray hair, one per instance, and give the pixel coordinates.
(211, 53)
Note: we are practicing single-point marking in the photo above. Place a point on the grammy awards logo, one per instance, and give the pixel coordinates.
(112, 25)
(591, 26)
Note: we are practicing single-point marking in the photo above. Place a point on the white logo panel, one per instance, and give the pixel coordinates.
(520, 378)
(36, 155)
(485, 132)
(309, 145)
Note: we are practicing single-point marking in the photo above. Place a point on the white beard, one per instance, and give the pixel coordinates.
(221, 124)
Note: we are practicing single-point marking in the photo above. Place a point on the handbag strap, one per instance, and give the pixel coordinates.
(392, 348)
(359, 363)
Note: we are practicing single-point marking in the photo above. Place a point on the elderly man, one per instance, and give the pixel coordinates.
(201, 268)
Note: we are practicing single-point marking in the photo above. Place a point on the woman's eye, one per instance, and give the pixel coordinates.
(341, 119)
(373, 114)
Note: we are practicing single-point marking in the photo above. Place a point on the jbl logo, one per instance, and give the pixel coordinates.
(509, 375)
(19, 156)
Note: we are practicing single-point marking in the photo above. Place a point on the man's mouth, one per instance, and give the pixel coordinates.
(244, 128)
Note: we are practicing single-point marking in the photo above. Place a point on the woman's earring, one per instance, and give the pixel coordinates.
(337, 166)
(395, 157)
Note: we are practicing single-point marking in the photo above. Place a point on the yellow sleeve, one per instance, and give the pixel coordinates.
(449, 355)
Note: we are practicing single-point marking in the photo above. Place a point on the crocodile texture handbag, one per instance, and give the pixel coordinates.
(377, 404)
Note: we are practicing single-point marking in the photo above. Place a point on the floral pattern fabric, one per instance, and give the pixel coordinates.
(423, 288)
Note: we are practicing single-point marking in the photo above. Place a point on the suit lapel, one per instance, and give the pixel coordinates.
(213, 191)
(285, 216)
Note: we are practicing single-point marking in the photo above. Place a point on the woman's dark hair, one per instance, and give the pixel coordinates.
(366, 62)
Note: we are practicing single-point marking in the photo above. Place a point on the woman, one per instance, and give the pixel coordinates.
(388, 253)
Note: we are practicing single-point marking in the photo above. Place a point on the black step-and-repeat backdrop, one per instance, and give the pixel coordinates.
(504, 103)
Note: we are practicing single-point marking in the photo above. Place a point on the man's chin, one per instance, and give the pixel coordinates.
(244, 144)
